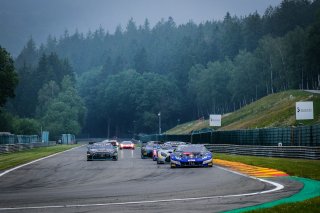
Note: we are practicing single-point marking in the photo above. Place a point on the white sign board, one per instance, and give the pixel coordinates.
(304, 110)
(215, 120)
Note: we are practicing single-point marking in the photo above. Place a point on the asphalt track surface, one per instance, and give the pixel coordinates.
(68, 183)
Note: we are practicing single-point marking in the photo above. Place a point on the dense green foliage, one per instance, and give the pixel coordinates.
(185, 72)
(8, 77)
(47, 92)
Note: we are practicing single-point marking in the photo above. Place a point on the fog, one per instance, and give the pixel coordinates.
(21, 19)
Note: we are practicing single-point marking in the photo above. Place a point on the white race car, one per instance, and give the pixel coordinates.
(164, 154)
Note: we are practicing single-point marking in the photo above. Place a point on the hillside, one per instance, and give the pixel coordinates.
(274, 110)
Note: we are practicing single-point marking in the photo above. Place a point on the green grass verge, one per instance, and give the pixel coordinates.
(10, 160)
(311, 205)
(275, 110)
(293, 167)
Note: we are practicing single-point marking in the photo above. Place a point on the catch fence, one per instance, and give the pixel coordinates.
(290, 136)
(7, 138)
(300, 141)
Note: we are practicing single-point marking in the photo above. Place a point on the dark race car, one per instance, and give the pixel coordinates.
(101, 151)
(148, 149)
(191, 156)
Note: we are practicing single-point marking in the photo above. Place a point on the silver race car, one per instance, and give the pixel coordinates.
(164, 153)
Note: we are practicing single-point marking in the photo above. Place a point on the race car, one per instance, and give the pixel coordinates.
(126, 145)
(173, 144)
(114, 143)
(148, 149)
(164, 152)
(101, 151)
(156, 147)
(191, 156)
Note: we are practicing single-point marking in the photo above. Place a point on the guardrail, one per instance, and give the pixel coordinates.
(287, 136)
(268, 151)
(7, 148)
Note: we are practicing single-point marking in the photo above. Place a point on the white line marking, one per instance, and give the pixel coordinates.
(277, 188)
(277, 185)
(18, 167)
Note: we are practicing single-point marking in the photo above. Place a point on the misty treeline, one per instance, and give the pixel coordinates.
(124, 79)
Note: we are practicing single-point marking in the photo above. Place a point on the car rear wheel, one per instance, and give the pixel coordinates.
(115, 158)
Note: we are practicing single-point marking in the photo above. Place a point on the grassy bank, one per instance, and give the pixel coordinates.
(17, 158)
(311, 205)
(275, 110)
(294, 167)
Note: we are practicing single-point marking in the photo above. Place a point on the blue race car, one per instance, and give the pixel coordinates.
(191, 156)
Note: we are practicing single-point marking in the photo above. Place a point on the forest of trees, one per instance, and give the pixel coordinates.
(116, 84)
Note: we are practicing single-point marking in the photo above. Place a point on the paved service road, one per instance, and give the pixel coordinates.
(68, 183)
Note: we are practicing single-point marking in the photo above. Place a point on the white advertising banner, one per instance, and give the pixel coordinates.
(215, 120)
(304, 110)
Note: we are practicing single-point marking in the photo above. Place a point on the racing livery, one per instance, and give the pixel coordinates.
(191, 156)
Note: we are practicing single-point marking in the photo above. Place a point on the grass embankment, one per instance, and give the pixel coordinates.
(276, 110)
(10, 160)
(186, 128)
(294, 167)
(311, 205)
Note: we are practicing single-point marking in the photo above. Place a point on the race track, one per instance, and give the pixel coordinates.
(68, 183)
